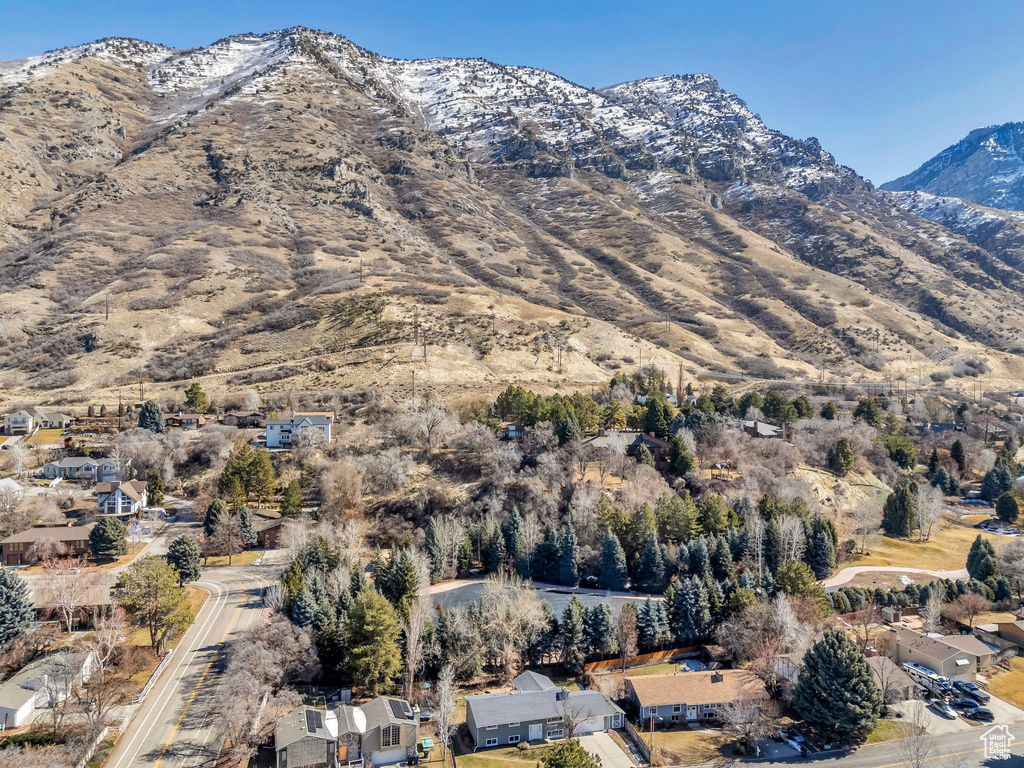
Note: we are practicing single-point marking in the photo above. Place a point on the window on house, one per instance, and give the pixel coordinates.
(491, 743)
(556, 734)
(677, 708)
(390, 736)
(554, 719)
(514, 725)
(513, 739)
(491, 728)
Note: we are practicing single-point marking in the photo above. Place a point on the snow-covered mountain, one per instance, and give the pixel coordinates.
(986, 167)
(269, 196)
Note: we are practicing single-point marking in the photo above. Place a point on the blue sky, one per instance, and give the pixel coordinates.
(883, 85)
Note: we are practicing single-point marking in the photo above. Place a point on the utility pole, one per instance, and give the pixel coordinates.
(142, 391)
(120, 410)
(416, 327)
(414, 384)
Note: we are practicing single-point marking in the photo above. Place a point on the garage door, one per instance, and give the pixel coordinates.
(389, 756)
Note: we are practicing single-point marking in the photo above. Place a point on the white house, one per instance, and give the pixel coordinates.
(123, 499)
(285, 432)
(52, 677)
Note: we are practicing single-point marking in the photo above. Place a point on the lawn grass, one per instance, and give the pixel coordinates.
(945, 550)
(498, 757)
(1009, 686)
(889, 730)
(46, 437)
(666, 668)
(248, 557)
(691, 747)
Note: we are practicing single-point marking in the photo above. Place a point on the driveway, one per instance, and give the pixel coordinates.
(933, 722)
(608, 752)
(1004, 711)
(847, 574)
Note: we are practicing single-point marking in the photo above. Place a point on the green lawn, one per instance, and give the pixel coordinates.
(499, 757)
(666, 668)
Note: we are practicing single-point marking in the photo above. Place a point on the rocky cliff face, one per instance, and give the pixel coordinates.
(986, 167)
(292, 208)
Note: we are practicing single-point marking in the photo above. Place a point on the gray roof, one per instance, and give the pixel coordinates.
(766, 430)
(385, 710)
(350, 720)
(77, 461)
(519, 706)
(302, 722)
(532, 681)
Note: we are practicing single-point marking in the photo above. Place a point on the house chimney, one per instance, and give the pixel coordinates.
(562, 694)
(717, 677)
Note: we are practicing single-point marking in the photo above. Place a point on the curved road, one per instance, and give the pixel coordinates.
(846, 575)
(174, 726)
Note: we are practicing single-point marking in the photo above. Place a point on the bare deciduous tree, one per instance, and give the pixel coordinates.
(916, 746)
(65, 587)
(750, 721)
(931, 611)
(341, 488)
(626, 633)
(444, 704)
(967, 607)
(511, 619)
(929, 509)
(867, 617)
(866, 520)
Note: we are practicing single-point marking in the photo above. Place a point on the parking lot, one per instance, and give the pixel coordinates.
(937, 724)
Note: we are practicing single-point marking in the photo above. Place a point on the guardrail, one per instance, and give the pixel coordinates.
(141, 695)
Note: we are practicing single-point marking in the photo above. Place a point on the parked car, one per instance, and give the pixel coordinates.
(965, 703)
(979, 713)
(972, 690)
(944, 709)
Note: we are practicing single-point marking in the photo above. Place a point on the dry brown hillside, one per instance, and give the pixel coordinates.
(289, 210)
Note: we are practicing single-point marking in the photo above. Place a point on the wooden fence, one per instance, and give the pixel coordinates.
(638, 740)
(644, 658)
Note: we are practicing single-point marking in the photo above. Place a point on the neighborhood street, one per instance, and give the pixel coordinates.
(174, 725)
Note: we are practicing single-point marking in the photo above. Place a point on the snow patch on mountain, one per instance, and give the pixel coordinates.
(124, 50)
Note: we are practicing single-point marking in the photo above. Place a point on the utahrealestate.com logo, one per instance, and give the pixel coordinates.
(997, 740)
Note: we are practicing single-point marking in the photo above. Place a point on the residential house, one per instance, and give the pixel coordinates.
(285, 432)
(268, 527)
(87, 468)
(939, 428)
(894, 683)
(1012, 631)
(693, 696)
(958, 657)
(307, 738)
(245, 419)
(537, 709)
(122, 498)
(183, 420)
(384, 731)
(19, 423)
(763, 431)
(41, 683)
(24, 421)
(629, 441)
(509, 430)
(21, 548)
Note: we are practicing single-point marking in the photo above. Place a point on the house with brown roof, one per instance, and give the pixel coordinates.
(121, 498)
(958, 657)
(692, 696)
(22, 548)
(245, 419)
(1012, 631)
(267, 523)
(183, 420)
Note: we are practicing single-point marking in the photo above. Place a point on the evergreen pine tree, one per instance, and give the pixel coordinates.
(494, 551)
(646, 625)
(614, 574)
(156, 491)
(959, 454)
(680, 460)
(107, 540)
(304, 609)
(568, 430)
(979, 551)
(690, 613)
(195, 398)
(16, 613)
(435, 550)
(247, 526)
(184, 554)
(659, 618)
(568, 563)
(933, 463)
(700, 558)
(899, 515)
(721, 558)
(640, 525)
(152, 418)
(773, 554)
(214, 512)
(543, 645)
(574, 653)
(829, 411)
(649, 571)
(821, 549)
(997, 481)
(840, 457)
(1007, 508)
(547, 557)
(291, 499)
(514, 538)
(599, 629)
(371, 636)
(643, 455)
(836, 692)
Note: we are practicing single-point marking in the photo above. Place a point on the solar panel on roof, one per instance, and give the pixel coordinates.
(319, 719)
(310, 722)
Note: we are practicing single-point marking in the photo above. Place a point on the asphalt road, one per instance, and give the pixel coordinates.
(174, 727)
